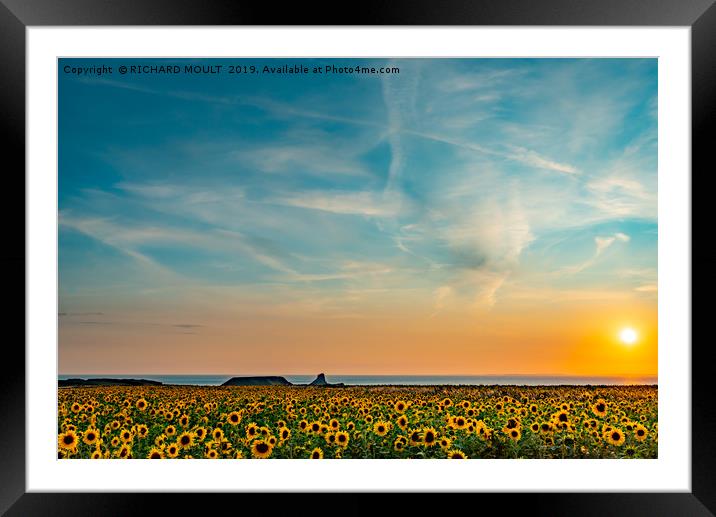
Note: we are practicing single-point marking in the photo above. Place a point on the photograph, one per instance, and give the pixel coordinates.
(357, 258)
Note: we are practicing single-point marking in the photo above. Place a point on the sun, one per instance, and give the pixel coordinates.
(628, 336)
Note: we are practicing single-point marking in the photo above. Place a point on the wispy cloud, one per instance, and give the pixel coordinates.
(356, 203)
(451, 179)
(303, 159)
(601, 245)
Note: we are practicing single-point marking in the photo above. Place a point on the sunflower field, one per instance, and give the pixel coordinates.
(453, 422)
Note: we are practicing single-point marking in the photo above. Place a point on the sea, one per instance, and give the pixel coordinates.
(404, 380)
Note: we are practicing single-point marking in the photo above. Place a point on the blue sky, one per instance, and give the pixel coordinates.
(453, 186)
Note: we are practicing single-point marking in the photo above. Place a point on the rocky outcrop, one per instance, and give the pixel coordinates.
(321, 381)
(64, 383)
(257, 381)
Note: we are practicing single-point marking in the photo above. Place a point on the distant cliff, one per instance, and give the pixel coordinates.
(106, 382)
(320, 380)
(257, 381)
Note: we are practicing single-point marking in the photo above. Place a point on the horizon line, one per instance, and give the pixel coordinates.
(375, 375)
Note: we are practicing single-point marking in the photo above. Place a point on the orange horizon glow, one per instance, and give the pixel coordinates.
(572, 341)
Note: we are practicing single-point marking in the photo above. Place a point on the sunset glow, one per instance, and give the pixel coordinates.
(462, 217)
(628, 336)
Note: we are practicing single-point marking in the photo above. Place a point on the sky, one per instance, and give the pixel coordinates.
(460, 217)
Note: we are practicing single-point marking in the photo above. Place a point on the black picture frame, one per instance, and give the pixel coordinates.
(17, 15)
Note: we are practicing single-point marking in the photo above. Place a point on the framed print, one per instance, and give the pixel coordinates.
(427, 236)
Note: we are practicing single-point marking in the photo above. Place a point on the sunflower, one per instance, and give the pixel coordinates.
(599, 408)
(200, 433)
(252, 430)
(217, 434)
(416, 437)
(317, 454)
(459, 422)
(142, 430)
(455, 454)
(514, 434)
(546, 428)
(234, 418)
(185, 440)
(226, 448)
(615, 436)
(342, 438)
(303, 425)
(430, 436)
(124, 452)
(184, 420)
(170, 430)
(126, 436)
(535, 427)
(160, 439)
(261, 449)
(381, 428)
(403, 422)
(141, 404)
(640, 432)
(212, 454)
(90, 436)
(334, 424)
(172, 450)
(315, 427)
(96, 455)
(285, 434)
(155, 454)
(561, 417)
(400, 406)
(67, 441)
